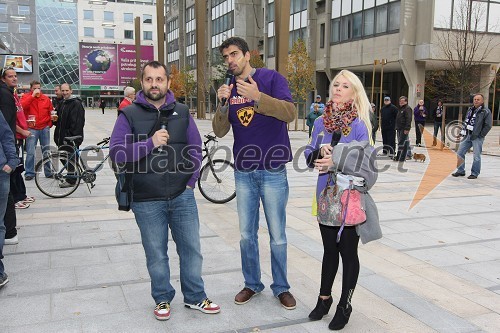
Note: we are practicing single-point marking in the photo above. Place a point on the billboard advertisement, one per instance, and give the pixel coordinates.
(109, 65)
(126, 56)
(20, 63)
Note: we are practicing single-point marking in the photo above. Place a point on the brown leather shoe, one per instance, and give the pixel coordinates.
(287, 300)
(244, 296)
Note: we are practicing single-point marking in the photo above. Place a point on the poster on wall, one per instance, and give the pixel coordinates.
(98, 64)
(110, 65)
(20, 63)
(126, 56)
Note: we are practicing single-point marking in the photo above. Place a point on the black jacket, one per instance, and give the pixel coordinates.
(71, 120)
(161, 175)
(8, 106)
(389, 114)
(403, 120)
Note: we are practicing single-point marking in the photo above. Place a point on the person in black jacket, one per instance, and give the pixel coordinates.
(389, 113)
(70, 122)
(403, 125)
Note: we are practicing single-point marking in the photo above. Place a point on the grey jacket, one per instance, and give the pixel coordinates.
(359, 159)
(483, 123)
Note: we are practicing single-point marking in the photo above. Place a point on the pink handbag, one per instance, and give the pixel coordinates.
(352, 207)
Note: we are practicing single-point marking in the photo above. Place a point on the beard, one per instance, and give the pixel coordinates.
(155, 96)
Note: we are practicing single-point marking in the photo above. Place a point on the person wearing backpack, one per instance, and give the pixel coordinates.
(159, 138)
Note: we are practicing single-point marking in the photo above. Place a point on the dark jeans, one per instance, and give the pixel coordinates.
(4, 194)
(403, 146)
(389, 140)
(418, 131)
(71, 166)
(10, 219)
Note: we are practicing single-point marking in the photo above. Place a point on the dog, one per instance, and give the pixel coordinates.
(419, 157)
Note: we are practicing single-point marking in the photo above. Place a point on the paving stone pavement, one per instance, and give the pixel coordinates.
(80, 267)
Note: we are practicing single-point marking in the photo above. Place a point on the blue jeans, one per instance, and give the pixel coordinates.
(270, 186)
(4, 193)
(465, 145)
(43, 136)
(181, 215)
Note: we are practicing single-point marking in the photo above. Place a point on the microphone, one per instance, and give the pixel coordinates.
(227, 81)
(163, 125)
(336, 138)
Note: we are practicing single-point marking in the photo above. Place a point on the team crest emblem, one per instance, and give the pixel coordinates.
(245, 115)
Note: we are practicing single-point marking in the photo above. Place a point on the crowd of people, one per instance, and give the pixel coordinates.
(157, 135)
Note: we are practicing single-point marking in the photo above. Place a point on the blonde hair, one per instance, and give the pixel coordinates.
(361, 101)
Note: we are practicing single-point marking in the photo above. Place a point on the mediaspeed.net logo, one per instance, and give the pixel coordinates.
(441, 164)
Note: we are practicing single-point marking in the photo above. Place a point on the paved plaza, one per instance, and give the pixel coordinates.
(80, 267)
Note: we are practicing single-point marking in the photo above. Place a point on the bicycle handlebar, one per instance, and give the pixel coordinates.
(104, 141)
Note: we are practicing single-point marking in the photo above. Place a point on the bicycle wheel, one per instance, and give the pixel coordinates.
(53, 178)
(217, 184)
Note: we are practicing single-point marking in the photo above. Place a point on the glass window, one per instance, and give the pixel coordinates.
(128, 17)
(128, 34)
(4, 27)
(346, 27)
(381, 2)
(369, 22)
(147, 35)
(322, 36)
(270, 12)
(108, 16)
(3, 8)
(88, 15)
(381, 19)
(271, 47)
(336, 4)
(147, 18)
(494, 18)
(369, 4)
(394, 16)
(357, 5)
(109, 33)
(346, 7)
(23, 10)
(88, 32)
(335, 31)
(357, 25)
(24, 28)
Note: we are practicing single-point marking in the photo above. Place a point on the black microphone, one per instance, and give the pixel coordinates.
(227, 81)
(163, 125)
(336, 138)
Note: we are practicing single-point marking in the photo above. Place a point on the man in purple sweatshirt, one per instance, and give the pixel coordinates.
(158, 140)
(259, 107)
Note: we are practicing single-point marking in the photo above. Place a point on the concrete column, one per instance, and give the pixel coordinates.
(488, 73)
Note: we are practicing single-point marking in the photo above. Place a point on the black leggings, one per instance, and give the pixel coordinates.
(348, 250)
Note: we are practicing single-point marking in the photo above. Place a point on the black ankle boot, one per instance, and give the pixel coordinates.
(321, 309)
(341, 317)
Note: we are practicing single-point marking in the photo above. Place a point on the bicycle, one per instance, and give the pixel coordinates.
(216, 182)
(58, 174)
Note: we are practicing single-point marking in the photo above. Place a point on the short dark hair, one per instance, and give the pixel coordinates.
(57, 85)
(5, 69)
(404, 98)
(32, 83)
(154, 64)
(236, 41)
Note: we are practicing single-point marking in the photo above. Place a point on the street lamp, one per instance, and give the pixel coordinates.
(375, 63)
(382, 63)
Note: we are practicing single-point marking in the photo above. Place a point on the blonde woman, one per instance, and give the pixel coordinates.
(338, 138)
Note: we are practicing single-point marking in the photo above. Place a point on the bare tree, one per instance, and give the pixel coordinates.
(465, 46)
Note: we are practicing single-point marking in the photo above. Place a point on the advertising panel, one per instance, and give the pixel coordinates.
(126, 56)
(109, 66)
(98, 64)
(20, 63)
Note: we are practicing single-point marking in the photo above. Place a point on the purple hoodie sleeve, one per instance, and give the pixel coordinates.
(195, 151)
(122, 148)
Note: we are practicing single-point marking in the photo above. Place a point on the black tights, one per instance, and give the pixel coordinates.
(348, 250)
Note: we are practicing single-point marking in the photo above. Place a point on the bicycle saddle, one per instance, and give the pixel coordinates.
(72, 138)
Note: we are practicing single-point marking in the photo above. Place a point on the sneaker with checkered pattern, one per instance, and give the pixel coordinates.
(205, 306)
(162, 311)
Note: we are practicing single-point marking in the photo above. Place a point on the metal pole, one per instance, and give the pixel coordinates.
(375, 63)
(494, 91)
(382, 63)
(201, 18)
(160, 29)
(137, 24)
(282, 26)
